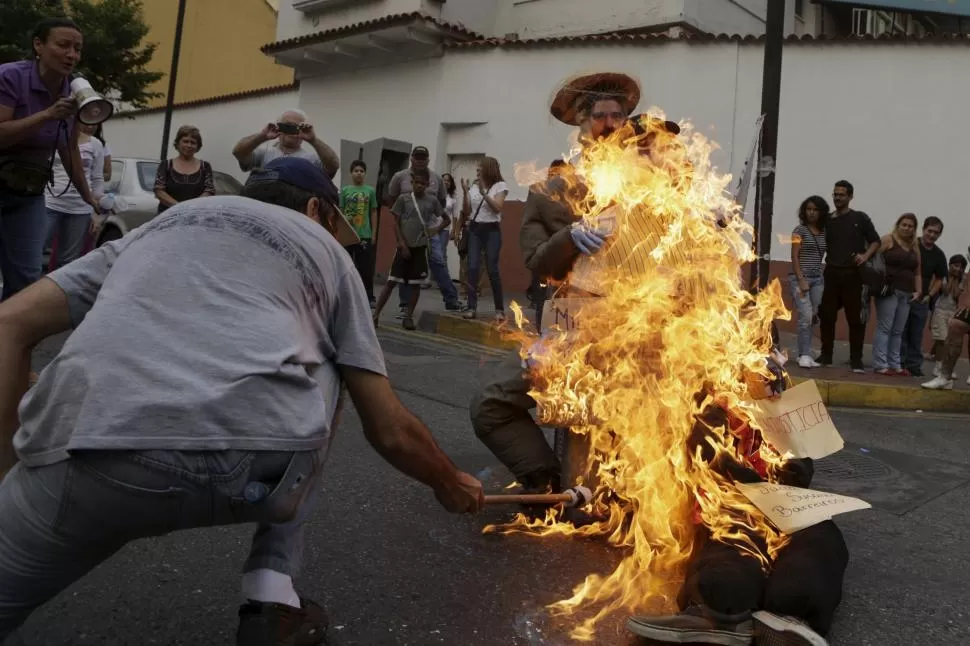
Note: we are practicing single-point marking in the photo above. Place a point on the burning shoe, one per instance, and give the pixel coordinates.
(776, 630)
(277, 624)
(696, 625)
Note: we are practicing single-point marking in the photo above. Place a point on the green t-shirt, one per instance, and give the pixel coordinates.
(356, 202)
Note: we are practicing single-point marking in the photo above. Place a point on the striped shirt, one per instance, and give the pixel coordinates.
(811, 250)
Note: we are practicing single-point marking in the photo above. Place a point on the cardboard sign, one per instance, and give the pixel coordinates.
(791, 509)
(798, 424)
(561, 313)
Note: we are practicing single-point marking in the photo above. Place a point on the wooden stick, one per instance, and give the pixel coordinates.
(529, 499)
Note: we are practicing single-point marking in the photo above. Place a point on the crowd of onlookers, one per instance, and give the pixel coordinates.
(839, 261)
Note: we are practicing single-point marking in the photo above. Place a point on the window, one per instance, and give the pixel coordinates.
(117, 173)
(146, 175)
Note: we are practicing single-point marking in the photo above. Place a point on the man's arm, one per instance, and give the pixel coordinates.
(329, 159)
(243, 151)
(398, 212)
(872, 237)
(548, 256)
(442, 195)
(28, 318)
(393, 190)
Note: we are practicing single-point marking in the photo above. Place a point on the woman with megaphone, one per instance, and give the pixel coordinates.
(37, 119)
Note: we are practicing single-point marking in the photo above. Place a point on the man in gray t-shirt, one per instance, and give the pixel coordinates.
(292, 135)
(204, 394)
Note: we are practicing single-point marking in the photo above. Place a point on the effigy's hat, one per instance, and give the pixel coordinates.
(602, 85)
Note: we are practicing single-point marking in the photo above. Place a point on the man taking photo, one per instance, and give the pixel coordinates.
(224, 371)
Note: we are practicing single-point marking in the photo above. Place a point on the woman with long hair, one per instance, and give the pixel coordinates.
(184, 177)
(482, 210)
(805, 279)
(904, 282)
(37, 120)
(454, 207)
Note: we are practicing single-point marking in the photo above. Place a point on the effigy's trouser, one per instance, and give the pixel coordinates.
(501, 419)
(805, 580)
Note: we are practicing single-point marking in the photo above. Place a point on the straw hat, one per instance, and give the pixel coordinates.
(602, 85)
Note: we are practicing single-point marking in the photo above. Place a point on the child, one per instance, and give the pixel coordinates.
(946, 305)
(412, 211)
(359, 204)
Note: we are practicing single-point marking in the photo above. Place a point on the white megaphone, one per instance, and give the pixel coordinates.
(92, 108)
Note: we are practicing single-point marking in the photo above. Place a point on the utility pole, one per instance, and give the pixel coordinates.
(172, 76)
(767, 157)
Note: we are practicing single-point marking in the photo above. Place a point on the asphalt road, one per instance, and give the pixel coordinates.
(393, 568)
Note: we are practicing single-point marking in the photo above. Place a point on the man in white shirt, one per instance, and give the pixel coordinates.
(285, 138)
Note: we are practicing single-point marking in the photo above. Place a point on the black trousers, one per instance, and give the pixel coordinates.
(842, 290)
(805, 580)
(362, 254)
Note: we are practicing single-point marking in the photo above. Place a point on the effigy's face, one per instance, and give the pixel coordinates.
(605, 117)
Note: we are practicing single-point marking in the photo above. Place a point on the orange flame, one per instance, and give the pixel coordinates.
(671, 332)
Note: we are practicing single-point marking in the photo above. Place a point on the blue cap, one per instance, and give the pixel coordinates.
(304, 174)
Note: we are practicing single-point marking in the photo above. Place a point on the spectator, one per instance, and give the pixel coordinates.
(358, 202)
(440, 228)
(400, 184)
(944, 309)
(957, 331)
(285, 138)
(185, 177)
(850, 241)
(459, 233)
(482, 206)
(34, 128)
(903, 285)
(69, 217)
(934, 270)
(805, 279)
(537, 291)
(412, 212)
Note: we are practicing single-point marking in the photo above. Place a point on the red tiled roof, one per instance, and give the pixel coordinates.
(697, 37)
(391, 20)
(222, 98)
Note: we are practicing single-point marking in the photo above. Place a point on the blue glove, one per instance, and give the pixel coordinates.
(586, 240)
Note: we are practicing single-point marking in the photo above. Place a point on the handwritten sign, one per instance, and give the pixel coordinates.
(562, 313)
(791, 509)
(798, 424)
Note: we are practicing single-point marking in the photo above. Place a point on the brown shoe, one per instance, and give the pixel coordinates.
(277, 624)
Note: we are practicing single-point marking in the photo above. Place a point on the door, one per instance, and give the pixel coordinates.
(460, 167)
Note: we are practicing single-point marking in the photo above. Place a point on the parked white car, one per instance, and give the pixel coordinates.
(134, 180)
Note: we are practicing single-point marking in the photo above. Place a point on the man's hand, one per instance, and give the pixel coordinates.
(463, 496)
(860, 259)
(270, 132)
(465, 184)
(307, 133)
(404, 250)
(803, 286)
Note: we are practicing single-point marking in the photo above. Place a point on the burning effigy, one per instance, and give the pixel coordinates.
(657, 363)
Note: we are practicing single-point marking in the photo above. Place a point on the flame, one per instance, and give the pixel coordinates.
(671, 335)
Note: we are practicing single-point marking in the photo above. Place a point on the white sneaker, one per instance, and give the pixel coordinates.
(805, 361)
(770, 628)
(938, 383)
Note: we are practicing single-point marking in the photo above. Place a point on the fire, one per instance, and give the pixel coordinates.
(671, 332)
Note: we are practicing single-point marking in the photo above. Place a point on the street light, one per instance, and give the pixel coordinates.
(172, 75)
(767, 157)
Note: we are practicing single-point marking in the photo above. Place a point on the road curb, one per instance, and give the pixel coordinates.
(841, 394)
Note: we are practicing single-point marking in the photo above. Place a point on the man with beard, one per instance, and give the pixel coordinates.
(552, 239)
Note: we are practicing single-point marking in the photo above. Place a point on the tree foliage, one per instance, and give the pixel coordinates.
(114, 59)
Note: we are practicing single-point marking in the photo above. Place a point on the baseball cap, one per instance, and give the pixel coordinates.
(420, 151)
(306, 175)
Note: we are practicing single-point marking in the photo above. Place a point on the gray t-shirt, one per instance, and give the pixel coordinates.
(414, 224)
(270, 150)
(400, 184)
(218, 325)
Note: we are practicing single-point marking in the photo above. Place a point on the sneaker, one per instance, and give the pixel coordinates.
(858, 367)
(276, 624)
(903, 372)
(824, 361)
(696, 625)
(777, 630)
(805, 361)
(401, 313)
(916, 372)
(408, 323)
(938, 383)
(453, 307)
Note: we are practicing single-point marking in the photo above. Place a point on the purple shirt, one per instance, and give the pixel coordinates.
(22, 89)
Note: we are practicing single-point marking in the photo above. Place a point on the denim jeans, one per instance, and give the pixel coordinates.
(891, 314)
(70, 229)
(807, 308)
(61, 521)
(912, 347)
(23, 223)
(487, 236)
(438, 265)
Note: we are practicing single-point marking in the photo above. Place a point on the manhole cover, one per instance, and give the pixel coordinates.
(895, 482)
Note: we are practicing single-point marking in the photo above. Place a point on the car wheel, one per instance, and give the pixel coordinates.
(110, 233)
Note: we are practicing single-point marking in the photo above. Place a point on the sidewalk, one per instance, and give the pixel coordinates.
(839, 386)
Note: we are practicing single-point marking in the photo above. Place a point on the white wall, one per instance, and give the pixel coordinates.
(291, 23)
(538, 18)
(221, 125)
